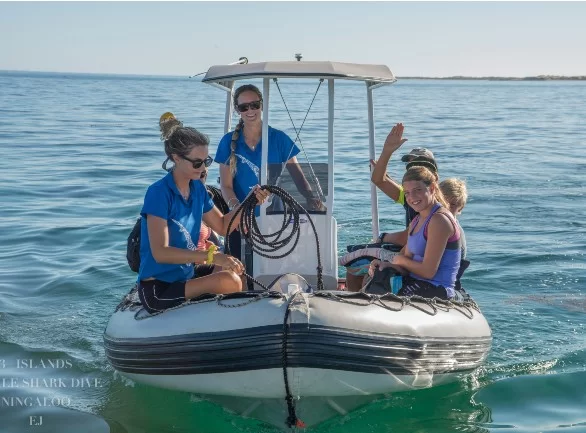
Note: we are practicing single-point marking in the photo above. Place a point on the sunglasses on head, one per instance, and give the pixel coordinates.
(197, 163)
(243, 108)
(422, 163)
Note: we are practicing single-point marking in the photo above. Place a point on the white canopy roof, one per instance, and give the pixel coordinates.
(348, 71)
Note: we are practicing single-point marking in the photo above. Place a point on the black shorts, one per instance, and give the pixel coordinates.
(413, 286)
(157, 295)
(234, 239)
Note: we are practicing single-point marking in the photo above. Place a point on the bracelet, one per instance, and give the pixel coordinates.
(230, 205)
(381, 238)
(211, 251)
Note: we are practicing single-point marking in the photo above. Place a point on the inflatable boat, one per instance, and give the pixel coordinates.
(300, 351)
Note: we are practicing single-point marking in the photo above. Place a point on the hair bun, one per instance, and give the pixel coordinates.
(168, 124)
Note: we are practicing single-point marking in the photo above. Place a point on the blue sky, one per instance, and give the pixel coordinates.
(413, 38)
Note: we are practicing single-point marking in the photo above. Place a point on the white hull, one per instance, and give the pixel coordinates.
(341, 351)
(306, 382)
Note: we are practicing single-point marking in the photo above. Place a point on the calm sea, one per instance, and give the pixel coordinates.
(78, 151)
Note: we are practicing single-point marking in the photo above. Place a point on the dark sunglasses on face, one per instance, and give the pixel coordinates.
(197, 163)
(243, 108)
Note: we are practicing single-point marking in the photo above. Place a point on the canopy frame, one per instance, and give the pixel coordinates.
(374, 76)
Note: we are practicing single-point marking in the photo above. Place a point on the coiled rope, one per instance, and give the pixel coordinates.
(266, 245)
(216, 196)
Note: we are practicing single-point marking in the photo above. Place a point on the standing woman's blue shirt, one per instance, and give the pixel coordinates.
(248, 161)
(183, 217)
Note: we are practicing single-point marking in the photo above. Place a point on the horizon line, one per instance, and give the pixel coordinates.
(407, 77)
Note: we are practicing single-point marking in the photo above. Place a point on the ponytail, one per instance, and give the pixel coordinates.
(235, 136)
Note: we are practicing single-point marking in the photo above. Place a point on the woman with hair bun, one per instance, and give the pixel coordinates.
(433, 251)
(172, 214)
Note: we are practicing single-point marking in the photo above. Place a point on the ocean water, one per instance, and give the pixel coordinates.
(78, 151)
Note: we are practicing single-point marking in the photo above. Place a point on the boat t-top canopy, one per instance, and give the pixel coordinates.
(375, 74)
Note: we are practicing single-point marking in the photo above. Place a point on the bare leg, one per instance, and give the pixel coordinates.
(221, 282)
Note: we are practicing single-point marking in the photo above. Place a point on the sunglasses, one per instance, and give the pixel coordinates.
(422, 163)
(243, 108)
(197, 163)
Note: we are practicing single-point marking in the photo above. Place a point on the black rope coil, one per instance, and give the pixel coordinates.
(266, 245)
(216, 196)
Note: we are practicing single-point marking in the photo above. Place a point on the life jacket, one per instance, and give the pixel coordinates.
(370, 252)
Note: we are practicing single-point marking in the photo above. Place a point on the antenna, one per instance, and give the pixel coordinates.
(298, 56)
(240, 61)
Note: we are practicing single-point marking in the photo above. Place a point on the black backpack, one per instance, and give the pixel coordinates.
(133, 247)
(380, 283)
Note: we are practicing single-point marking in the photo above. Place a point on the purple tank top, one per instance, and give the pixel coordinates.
(450, 261)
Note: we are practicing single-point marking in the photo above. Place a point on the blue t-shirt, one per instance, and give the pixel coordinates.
(248, 161)
(164, 200)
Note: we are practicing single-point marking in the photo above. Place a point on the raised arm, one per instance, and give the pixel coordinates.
(379, 168)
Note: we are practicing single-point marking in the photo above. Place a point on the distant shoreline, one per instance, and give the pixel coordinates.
(536, 78)
(454, 77)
